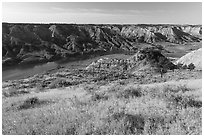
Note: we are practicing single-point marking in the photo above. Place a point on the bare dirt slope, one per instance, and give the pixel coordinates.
(194, 57)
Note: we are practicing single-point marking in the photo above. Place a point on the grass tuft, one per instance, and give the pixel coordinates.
(130, 92)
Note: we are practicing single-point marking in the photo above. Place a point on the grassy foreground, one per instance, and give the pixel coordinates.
(169, 108)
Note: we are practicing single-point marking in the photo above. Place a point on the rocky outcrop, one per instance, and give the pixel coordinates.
(29, 43)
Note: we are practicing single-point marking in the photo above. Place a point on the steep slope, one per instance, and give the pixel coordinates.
(156, 33)
(194, 57)
(149, 59)
(146, 59)
(29, 43)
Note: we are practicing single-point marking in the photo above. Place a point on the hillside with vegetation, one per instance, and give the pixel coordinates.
(144, 94)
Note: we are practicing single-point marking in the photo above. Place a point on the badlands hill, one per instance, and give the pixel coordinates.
(28, 43)
(194, 57)
(147, 59)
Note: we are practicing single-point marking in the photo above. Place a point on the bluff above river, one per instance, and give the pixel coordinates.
(29, 43)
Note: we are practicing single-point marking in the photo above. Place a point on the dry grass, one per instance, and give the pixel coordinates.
(119, 109)
(14, 92)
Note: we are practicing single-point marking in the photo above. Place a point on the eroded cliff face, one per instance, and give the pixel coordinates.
(193, 30)
(26, 43)
(170, 33)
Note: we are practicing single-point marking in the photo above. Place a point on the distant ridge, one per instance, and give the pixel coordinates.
(30, 42)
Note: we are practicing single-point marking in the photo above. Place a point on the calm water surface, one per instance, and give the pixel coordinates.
(23, 71)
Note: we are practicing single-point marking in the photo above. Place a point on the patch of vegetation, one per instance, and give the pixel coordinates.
(32, 103)
(14, 92)
(184, 67)
(133, 124)
(175, 89)
(184, 101)
(191, 66)
(130, 92)
(99, 96)
(61, 82)
(29, 103)
(175, 97)
(109, 109)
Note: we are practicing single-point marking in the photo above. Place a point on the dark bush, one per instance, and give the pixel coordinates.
(30, 103)
(99, 96)
(191, 66)
(163, 65)
(186, 101)
(184, 67)
(33, 102)
(179, 66)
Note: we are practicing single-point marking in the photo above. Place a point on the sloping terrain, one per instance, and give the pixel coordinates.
(194, 57)
(170, 108)
(25, 70)
(31, 43)
(145, 59)
(106, 99)
(112, 94)
(143, 67)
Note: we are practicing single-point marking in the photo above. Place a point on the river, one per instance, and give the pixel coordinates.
(23, 71)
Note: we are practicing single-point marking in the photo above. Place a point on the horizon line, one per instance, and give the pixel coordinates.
(100, 23)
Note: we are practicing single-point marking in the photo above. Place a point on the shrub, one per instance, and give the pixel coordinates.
(130, 92)
(191, 66)
(99, 96)
(184, 67)
(33, 102)
(179, 65)
(162, 66)
(29, 103)
(185, 101)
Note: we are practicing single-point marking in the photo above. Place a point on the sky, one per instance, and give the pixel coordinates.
(103, 12)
